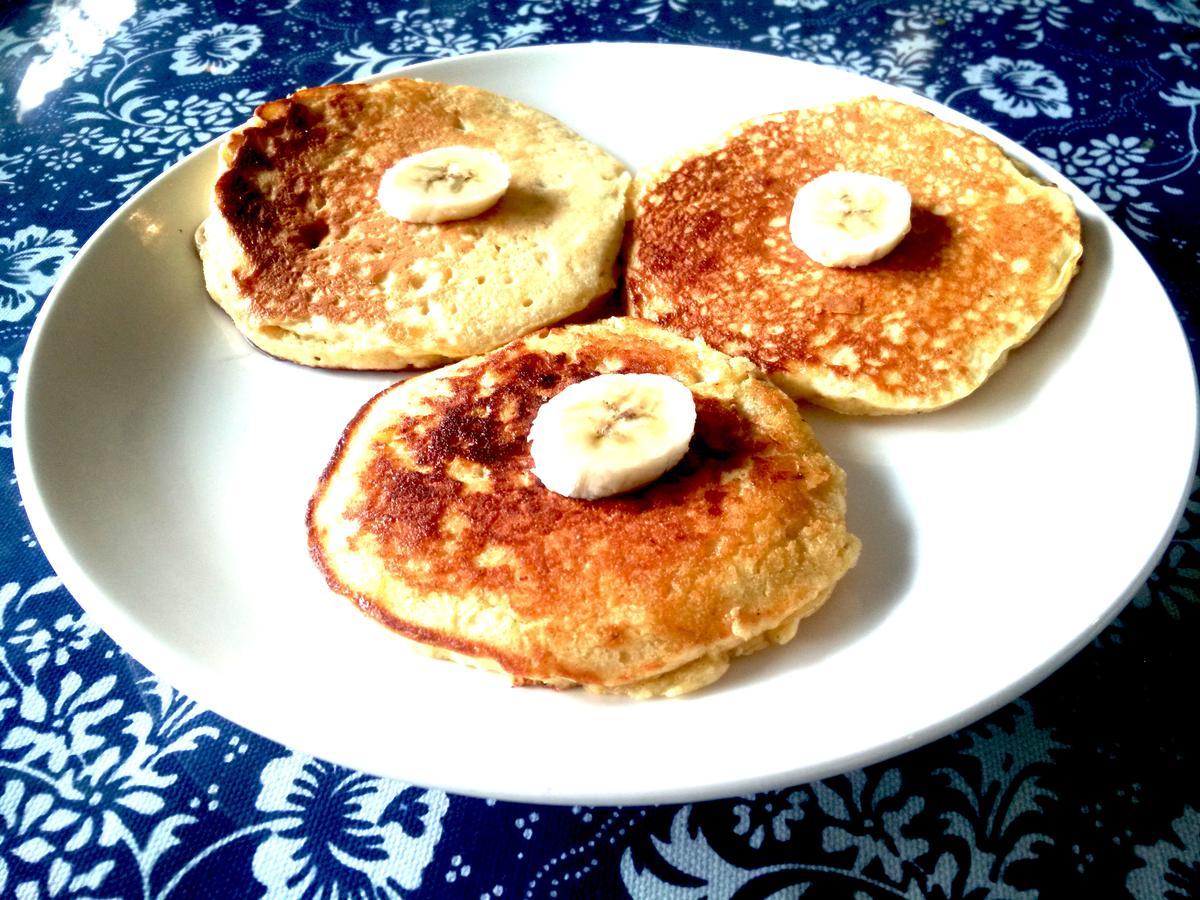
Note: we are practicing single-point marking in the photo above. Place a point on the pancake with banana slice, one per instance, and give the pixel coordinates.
(431, 517)
(875, 315)
(406, 223)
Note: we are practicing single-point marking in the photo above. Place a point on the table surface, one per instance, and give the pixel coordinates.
(113, 784)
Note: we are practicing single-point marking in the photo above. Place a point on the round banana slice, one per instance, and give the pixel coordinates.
(611, 433)
(850, 218)
(443, 184)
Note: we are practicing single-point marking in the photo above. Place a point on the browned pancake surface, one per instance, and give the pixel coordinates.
(747, 530)
(988, 256)
(303, 257)
(276, 192)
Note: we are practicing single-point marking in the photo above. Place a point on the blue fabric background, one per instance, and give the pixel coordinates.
(114, 785)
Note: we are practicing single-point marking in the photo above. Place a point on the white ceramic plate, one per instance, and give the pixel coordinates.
(166, 466)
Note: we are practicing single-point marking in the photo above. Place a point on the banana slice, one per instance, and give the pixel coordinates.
(611, 433)
(850, 218)
(443, 184)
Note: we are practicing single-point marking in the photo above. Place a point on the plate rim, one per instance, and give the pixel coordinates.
(141, 641)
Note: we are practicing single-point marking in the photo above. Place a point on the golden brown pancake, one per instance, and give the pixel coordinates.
(429, 518)
(300, 254)
(988, 259)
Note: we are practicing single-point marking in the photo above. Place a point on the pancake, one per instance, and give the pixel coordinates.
(300, 254)
(429, 519)
(988, 259)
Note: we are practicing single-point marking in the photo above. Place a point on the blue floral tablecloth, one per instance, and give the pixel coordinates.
(112, 784)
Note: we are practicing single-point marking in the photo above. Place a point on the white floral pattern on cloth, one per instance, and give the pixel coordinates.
(30, 263)
(1172, 865)
(338, 833)
(85, 774)
(903, 60)
(215, 51)
(1185, 11)
(1020, 88)
(114, 785)
(876, 835)
(8, 379)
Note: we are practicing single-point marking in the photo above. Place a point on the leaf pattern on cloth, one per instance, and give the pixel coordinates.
(1172, 865)
(30, 262)
(112, 784)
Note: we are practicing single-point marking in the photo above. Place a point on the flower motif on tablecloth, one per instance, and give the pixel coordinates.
(1113, 172)
(1185, 53)
(39, 839)
(1106, 169)
(361, 61)
(69, 736)
(59, 158)
(415, 32)
(105, 775)
(30, 262)
(873, 821)
(138, 30)
(128, 141)
(902, 61)
(905, 61)
(1020, 88)
(93, 784)
(1119, 152)
(53, 642)
(338, 833)
(952, 14)
(419, 37)
(16, 45)
(16, 670)
(997, 803)
(218, 50)
(687, 858)
(8, 379)
(1171, 867)
(797, 41)
(769, 814)
(1182, 94)
(1185, 11)
(651, 10)
(193, 120)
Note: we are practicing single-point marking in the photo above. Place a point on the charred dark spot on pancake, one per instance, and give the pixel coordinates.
(473, 425)
(253, 152)
(240, 199)
(713, 497)
(405, 502)
(301, 117)
(404, 507)
(721, 431)
(313, 233)
(287, 129)
(923, 246)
